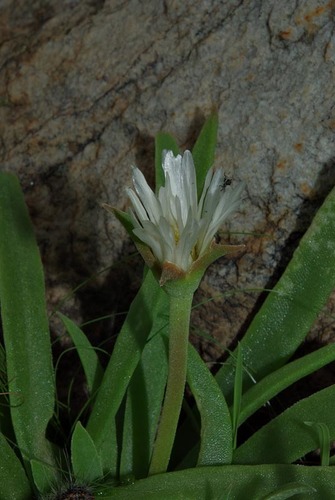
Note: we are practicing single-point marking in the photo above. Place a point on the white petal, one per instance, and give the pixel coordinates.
(228, 204)
(146, 195)
(187, 242)
(150, 235)
(138, 207)
(190, 182)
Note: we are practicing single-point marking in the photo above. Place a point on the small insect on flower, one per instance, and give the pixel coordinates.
(226, 182)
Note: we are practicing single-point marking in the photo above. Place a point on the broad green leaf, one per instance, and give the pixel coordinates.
(204, 150)
(88, 357)
(124, 359)
(25, 325)
(13, 480)
(216, 427)
(287, 438)
(237, 483)
(271, 385)
(85, 460)
(143, 404)
(163, 141)
(291, 308)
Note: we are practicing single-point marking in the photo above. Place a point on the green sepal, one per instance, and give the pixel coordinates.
(214, 252)
(143, 249)
(123, 217)
(171, 273)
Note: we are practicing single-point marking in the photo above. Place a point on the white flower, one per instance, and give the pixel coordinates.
(175, 225)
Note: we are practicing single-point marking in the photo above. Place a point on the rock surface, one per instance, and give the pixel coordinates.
(86, 85)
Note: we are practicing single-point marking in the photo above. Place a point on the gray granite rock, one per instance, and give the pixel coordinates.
(86, 85)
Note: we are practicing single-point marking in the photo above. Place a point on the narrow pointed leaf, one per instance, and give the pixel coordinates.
(88, 357)
(216, 427)
(25, 325)
(143, 405)
(289, 436)
(271, 385)
(125, 357)
(291, 308)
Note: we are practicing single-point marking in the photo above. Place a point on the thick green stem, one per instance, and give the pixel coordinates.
(180, 311)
